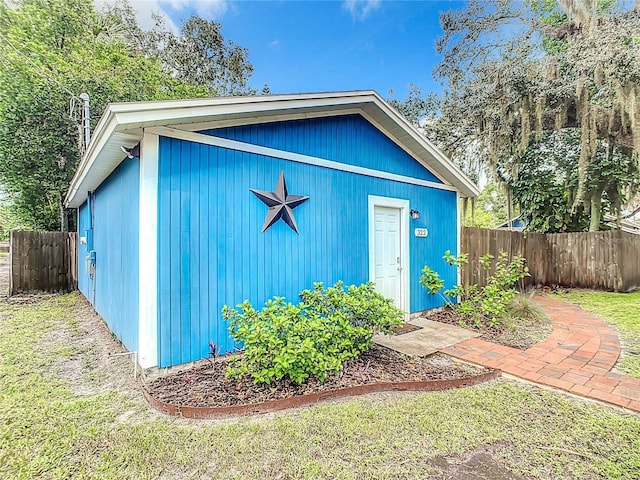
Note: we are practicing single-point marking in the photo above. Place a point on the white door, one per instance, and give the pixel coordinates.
(387, 253)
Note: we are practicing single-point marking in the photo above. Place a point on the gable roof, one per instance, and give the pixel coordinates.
(123, 124)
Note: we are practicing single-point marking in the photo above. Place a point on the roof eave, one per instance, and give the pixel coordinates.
(124, 122)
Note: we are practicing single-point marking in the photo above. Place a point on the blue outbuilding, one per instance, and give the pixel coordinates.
(188, 205)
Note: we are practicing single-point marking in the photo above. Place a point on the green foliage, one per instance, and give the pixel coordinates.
(314, 338)
(198, 55)
(430, 279)
(488, 210)
(482, 305)
(52, 51)
(544, 179)
(8, 218)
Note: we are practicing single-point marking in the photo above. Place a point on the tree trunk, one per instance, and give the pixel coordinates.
(596, 210)
(509, 209)
(64, 216)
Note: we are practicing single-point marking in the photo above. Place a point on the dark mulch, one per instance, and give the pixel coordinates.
(521, 334)
(405, 328)
(204, 385)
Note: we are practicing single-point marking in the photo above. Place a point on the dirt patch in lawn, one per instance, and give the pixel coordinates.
(205, 385)
(480, 463)
(88, 358)
(516, 333)
(83, 351)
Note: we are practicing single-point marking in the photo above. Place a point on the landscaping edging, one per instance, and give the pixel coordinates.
(302, 400)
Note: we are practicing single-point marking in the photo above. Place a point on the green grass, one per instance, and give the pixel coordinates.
(46, 431)
(622, 310)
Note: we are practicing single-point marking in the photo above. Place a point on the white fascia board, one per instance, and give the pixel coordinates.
(200, 126)
(239, 100)
(183, 114)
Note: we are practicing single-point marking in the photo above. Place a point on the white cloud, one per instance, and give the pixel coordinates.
(144, 10)
(207, 9)
(274, 43)
(360, 9)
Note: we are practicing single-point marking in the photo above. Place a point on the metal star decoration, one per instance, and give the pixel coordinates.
(280, 204)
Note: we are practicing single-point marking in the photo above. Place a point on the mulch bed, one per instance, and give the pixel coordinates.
(521, 335)
(405, 328)
(205, 385)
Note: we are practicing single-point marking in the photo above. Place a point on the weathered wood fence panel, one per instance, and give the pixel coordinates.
(605, 260)
(477, 242)
(43, 261)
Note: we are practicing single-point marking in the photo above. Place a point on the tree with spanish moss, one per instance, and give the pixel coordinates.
(515, 71)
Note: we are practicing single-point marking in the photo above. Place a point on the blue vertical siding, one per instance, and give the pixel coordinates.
(212, 252)
(347, 139)
(84, 282)
(116, 236)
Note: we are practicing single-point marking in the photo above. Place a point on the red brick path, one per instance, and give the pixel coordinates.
(577, 357)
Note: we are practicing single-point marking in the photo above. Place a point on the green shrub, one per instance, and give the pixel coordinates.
(481, 305)
(430, 279)
(313, 338)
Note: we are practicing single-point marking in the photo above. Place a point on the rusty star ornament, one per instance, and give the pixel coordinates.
(280, 204)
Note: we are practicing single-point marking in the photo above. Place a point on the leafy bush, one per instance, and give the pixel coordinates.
(430, 279)
(482, 305)
(313, 338)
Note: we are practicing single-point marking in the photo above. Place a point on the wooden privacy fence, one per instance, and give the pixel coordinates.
(43, 261)
(603, 260)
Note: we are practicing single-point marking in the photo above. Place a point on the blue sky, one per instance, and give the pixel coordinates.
(311, 46)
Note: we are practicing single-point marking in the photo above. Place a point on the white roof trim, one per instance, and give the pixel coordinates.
(124, 123)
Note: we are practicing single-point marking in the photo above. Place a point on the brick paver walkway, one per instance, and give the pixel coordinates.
(577, 357)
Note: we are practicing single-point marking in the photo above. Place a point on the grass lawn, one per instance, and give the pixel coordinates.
(622, 310)
(50, 429)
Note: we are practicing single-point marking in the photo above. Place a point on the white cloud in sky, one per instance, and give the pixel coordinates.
(207, 9)
(144, 10)
(274, 43)
(360, 9)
